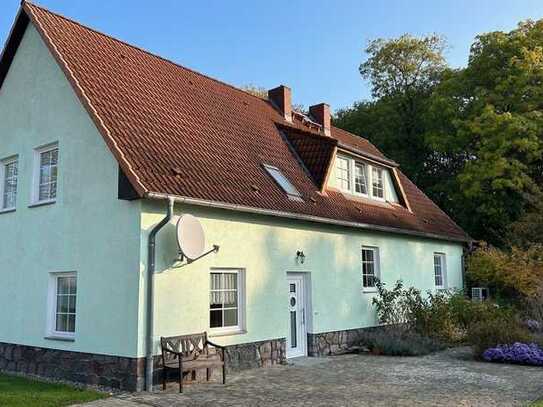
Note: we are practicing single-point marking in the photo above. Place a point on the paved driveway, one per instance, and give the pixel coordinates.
(447, 378)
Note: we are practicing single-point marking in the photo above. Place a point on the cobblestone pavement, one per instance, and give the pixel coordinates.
(449, 378)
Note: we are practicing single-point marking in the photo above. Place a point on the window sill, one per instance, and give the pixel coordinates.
(60, 338)
(369, 290)
(227, 333)
(7, 210)
(42, 203)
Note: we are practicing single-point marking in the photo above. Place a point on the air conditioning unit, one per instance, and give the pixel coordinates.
(479, 294)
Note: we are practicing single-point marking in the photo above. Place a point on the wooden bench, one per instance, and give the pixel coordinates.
(188, 353)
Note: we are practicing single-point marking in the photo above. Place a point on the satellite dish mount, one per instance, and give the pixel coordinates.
(191, 239)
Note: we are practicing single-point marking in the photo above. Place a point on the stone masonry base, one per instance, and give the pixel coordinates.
(331, 343)
(102, 370)
(122, 372)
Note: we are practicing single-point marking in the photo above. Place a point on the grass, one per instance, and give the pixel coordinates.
(22, 392)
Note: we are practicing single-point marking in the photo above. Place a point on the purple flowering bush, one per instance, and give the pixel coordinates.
(528, 354)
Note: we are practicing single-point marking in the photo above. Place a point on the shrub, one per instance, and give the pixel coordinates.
(428, 316)
(392, 341)
(529, 354)
(501, 328)
(513, 273)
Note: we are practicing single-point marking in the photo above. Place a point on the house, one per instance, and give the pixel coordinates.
(104, 145)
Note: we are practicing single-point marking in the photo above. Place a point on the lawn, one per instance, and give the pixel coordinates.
(21, 392)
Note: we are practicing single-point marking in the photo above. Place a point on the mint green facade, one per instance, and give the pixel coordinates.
(265, 248)
(104, 240)
(88, 230)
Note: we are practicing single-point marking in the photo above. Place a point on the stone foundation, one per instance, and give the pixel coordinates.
(110, 371)
(256, 354)
(331, 343)
(121, 372)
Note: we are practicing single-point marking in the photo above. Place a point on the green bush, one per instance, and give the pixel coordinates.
(428, 316)
(498, 328)
(392, 341)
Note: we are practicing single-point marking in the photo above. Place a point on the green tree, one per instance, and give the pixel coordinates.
(488, 119)
(403, 72)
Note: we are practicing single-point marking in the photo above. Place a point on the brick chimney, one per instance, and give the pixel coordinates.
(321, 114)
(281, 97)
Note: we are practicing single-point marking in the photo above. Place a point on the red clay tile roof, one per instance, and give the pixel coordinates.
(175, 131)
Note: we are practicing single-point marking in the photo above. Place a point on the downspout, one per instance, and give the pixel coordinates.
(151, 243)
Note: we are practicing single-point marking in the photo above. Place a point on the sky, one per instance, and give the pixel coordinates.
(314, 47)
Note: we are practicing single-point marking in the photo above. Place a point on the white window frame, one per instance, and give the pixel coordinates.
(240, 327)
(382, 171)
(443, 266)
(52, 333)
(367, 169)
(36, 174)
(351, 169)
(376, 267)
(349, 178)
(3, 164)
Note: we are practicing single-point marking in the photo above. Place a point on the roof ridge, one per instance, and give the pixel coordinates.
(32, 4)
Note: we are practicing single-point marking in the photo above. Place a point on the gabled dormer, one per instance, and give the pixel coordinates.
(359, 177)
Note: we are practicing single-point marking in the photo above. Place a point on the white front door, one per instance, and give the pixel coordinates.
(297, 334)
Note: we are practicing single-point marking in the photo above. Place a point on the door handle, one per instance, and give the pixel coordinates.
(303, 316)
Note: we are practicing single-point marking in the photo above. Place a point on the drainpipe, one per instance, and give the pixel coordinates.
(150, 294)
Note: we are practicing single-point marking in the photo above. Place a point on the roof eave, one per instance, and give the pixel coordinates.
(301, 217)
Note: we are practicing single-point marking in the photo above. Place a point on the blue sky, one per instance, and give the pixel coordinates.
(315, 47)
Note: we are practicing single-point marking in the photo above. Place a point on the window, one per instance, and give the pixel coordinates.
(8, 188)
(356, 177)
(378, 190)
(343, 173)
(439, 270)
(45, 174)
(360, 184)
(63, 296)
(370, 267)
(283, 182)
(226, 300)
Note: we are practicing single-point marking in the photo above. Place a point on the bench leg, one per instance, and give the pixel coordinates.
(208, 373)
(223, 374)
(164, 374)
(180, 377)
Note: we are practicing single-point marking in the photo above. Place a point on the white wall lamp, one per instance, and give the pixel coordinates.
(300, 256)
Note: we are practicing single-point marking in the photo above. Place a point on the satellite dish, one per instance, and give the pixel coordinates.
(190, 237)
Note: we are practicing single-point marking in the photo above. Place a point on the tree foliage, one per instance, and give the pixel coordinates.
(471, 138)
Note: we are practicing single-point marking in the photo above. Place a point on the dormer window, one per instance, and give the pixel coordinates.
(361, 178)
(378, 186)
(283, 182)
(343, 173)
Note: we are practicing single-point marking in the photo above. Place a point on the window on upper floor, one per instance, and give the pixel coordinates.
(378, 186)
(343, 173)
(283, 182)
(8, 184)
(360, 178)
(45, 174)
(440, 271)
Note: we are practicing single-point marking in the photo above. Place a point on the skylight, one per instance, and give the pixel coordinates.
(283, 182)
